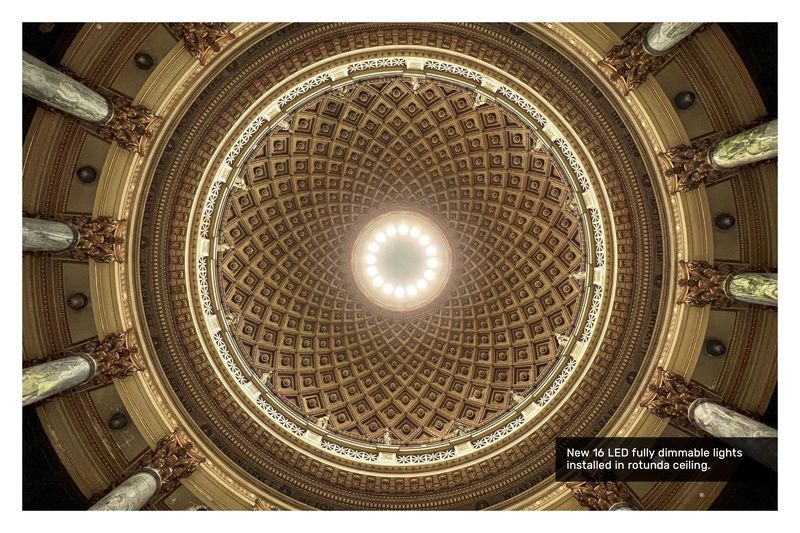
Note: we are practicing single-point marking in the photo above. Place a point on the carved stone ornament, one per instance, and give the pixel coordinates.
(600, 495)
(116, 356)
(690, 165)
(202, 39)
(264, 505)
(628, 64)
(700, 283)
(669, 396)
(174, 458)
(101, 239)
(131, 126)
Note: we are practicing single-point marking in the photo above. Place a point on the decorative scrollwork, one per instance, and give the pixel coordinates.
(421, 458)
(349, 452)
(559, 381)
(202, 279)
(202, 39)
(303, 88)
(244, 139)
(233, 368)
(599, 241)
(279, 418)
(102, 239)
(525, 105)
(594, 311)
(174, 458)
(574, 163)
(600, 495)
(384, 62)
(454, 69)
(500, 433)
(208, 208)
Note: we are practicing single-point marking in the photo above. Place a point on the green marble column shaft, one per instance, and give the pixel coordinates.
(39, 235)
(133, 494)
(753, 287)
(663, 36)
(724, 423)
(56, 89)
(751, 146)
(45, 380)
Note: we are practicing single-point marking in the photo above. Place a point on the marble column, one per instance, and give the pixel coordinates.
(45, 380)
(687, 405)
(160, 472)
(133, 494)
(39, 235)
(706, 160)
(56, 89)
(754, 288)
(642, 53)
(100, 239)
(724, 423)
(621, 506)
(751, 146)
(720, 285)
(116, 356)
(662, 36)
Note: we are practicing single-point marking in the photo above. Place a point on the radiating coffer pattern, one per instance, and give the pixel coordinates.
(505, 207)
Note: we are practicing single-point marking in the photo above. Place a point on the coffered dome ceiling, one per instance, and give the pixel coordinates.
(288, 276)
(306, 384)
(251, 215)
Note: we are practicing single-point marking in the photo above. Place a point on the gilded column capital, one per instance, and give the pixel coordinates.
(174, 458)
(628, 64)
(600, 495)
(130, 126)
(669, 396)
(202, 39)
(701, 283)
(102, 239)
(690, 166)
(116, 356)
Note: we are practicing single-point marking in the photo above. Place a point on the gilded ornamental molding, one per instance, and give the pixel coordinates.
(116, 356)
(669, 396)
(202, 39)
(174, 458)
(102, 239)
(600, 495)
(701, 283)
(628, 64)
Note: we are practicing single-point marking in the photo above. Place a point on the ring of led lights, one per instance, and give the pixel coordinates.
(401, 261)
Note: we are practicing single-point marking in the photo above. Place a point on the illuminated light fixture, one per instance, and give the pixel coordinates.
(401, 260)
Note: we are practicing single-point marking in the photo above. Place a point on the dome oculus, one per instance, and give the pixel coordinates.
(401, 261)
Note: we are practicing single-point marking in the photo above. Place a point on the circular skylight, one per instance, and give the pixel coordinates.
(401, 260)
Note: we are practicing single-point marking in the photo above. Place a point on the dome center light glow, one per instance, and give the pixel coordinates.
(401, 260)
